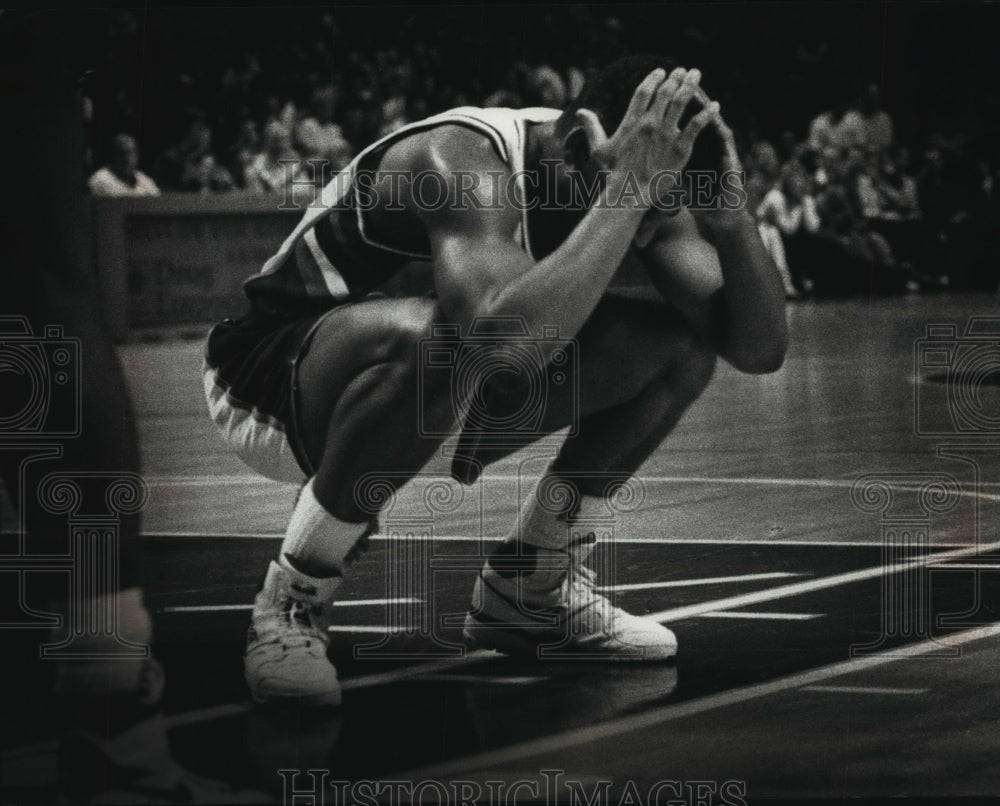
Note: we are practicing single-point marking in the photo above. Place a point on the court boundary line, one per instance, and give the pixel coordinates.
(615, 727)
(762, 615)
(674, 614)
(203, 480)
(693, 582)
(812, 585)
(477, 656)
(890, 691)
(653, 541)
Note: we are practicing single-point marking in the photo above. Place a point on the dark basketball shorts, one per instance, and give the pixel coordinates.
(250, 376)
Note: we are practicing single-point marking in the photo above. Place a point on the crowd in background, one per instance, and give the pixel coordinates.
(845, 200)
(847, 209)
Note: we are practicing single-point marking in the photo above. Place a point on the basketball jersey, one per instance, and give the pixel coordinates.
(331, 256)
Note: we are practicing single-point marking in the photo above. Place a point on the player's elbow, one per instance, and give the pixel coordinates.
(762, 355)
(768, 363)
(765, 358)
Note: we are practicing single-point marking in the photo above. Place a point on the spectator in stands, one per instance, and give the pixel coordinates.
(787, 208)
(984, 223)
(889, 203)
(191, 166)
(871, 120)
(545, 87)
(833, 131)
(888, 192)
(856, 258)
(279, 109)
(512, 88)
(396, 89)
(763, 170)
(121, 176)
(243, 151)
(319, 139)
(942, 202)
(277, 167)
(789, 148)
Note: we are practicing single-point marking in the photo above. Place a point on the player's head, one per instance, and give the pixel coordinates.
(124, 155)
(608, 95)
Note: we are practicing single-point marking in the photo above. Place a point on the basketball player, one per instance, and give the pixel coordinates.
(320, 380)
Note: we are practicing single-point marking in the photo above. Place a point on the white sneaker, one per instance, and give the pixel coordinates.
(285, 659)
(570, 620)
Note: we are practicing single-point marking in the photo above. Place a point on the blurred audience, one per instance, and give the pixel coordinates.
(786, 208)
(840, 183)
(871, 120)
(833, 131)
(191, 166)
(319, 139)
(277, 166)
(121, 176)
(244, 151)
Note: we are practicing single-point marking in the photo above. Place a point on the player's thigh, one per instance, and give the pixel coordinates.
(626, 344)
(350, 340)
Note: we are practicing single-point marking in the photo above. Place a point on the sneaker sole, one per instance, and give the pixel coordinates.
(306, 700)
(329, 699)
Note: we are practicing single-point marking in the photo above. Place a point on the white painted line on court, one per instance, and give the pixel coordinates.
(350, 684)
(229, 481)
(348, 628)
(208, 714)
(866, 690)
(967, 567)
(533, 749)
(236, 708)
(748, 614)
(345, 603)
(577, 737)
(472, 678)
(685, 583)
(775, 482)
(213, 481)
(625, 540)
(376, 602)
(798, 588)
(407, 672)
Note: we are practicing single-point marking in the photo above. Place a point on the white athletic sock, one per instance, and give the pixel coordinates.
(556, 536)
(538, 525)
(585, 526)
(316, 543)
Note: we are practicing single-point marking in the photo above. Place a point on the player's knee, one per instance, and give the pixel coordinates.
(411, 327)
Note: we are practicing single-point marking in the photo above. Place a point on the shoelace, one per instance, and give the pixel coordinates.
(301, 616)
(583, 581)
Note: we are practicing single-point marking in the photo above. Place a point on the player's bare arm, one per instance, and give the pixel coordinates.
(712, 266)
(478, 268)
